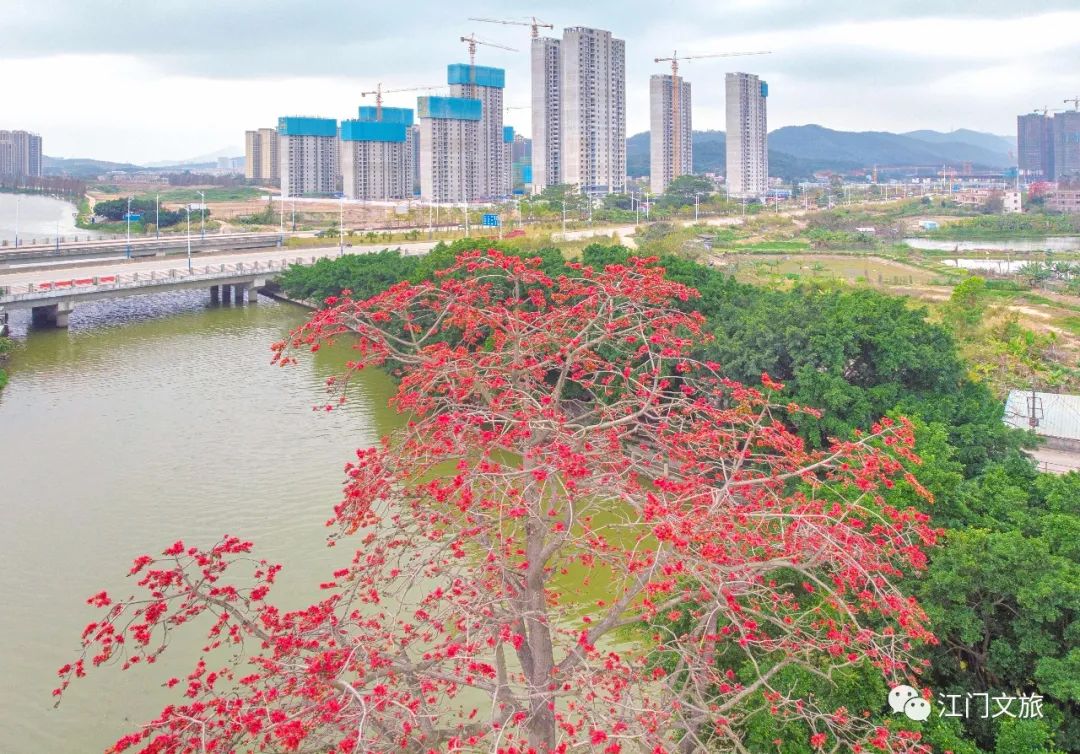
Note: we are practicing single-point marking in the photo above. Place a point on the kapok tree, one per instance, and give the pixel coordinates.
(559, 435)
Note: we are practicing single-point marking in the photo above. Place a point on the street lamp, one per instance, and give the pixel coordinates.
(697, 197)
(128, 216)
(202, 213)
(18, 203)
(188, 238)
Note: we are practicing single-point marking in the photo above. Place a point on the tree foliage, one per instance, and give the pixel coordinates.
(561, 430)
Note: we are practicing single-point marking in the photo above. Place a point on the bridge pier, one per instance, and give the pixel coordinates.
(226, 294)
(215, 294)
(52, 315)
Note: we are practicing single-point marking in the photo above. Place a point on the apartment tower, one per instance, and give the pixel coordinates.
(310, 164)
(377, 154)
(579, 111)
(747, 136)
(546, 111)
(1066, 147)
(1035, 146)
(20, 154)
(485, 84)
(671, 151)
(261, 162)
(449, 148)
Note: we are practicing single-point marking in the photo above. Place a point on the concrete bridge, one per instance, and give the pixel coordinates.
(56, 254)
(52, 294)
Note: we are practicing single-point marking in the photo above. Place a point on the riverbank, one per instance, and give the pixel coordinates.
(6, 345)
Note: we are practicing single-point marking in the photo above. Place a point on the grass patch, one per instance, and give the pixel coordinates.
(222, 194)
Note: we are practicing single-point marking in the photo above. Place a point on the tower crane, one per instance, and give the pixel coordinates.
(378, 91)
(1075, 101)
(535, 23)
(472, 42)
(676, 125)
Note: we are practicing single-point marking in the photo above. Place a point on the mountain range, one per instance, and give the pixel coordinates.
(800, 151)
(794, 152)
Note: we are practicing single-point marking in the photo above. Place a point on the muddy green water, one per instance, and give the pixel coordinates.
(152, 419)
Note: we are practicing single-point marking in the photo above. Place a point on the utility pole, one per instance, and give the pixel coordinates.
(697, 196)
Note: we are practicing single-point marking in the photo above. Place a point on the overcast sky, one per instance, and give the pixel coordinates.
(146, 81)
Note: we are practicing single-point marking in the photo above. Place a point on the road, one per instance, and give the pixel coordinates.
(15, 278)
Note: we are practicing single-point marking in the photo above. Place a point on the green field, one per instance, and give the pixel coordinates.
(187, 195)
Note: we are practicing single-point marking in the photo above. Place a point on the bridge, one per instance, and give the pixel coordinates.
(52, 294)
(98, 249)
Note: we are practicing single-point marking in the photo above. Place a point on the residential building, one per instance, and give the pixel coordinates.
(449, 148)
(1035, 146)
(377, 154)
(546, 113)
(579, 111)
(252, 157)
(416, 158)
(1011, 202)
(262, 156)
(670, 131)
(592, 117)
(508, 160)
(310, 163)
(1066, 146)
(1064, 199)
(747, 136)
(521, 164)
(485, 84)
(20, 154)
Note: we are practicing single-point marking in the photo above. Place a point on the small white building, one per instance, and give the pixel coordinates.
(1011, 204)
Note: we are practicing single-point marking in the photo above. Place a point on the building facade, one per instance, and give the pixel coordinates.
(377, 154)
(669, 115)
(1064, 199)
(310, 162)
(546, 112)
(1066, 161)
(252, 156)
(485, 84)
(1035, 148)
(261, 156)
(449, 148)
(747, 136)
(593, 111)
(20, 154)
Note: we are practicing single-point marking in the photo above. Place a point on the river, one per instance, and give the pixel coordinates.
(153, 419)
(38, 217)
(1021, 245)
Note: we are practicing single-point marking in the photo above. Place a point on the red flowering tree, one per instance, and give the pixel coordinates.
(560, 433)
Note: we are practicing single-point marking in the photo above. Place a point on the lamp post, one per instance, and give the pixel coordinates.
(18, 202)
(202, 214)
(189, 238)
(697, 197)
(128, 216)
(564, 216)
(157, 215)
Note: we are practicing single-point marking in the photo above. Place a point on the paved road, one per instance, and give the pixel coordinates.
(17, 278)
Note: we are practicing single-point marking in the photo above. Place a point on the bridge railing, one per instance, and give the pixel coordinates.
(151, 278)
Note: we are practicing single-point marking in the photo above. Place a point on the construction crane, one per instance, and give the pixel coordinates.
(378, 91)
(535, 23)
(1075, 101)
(472, 41)
(676, 118)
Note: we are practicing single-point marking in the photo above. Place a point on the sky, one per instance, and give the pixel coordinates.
(138, 81)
